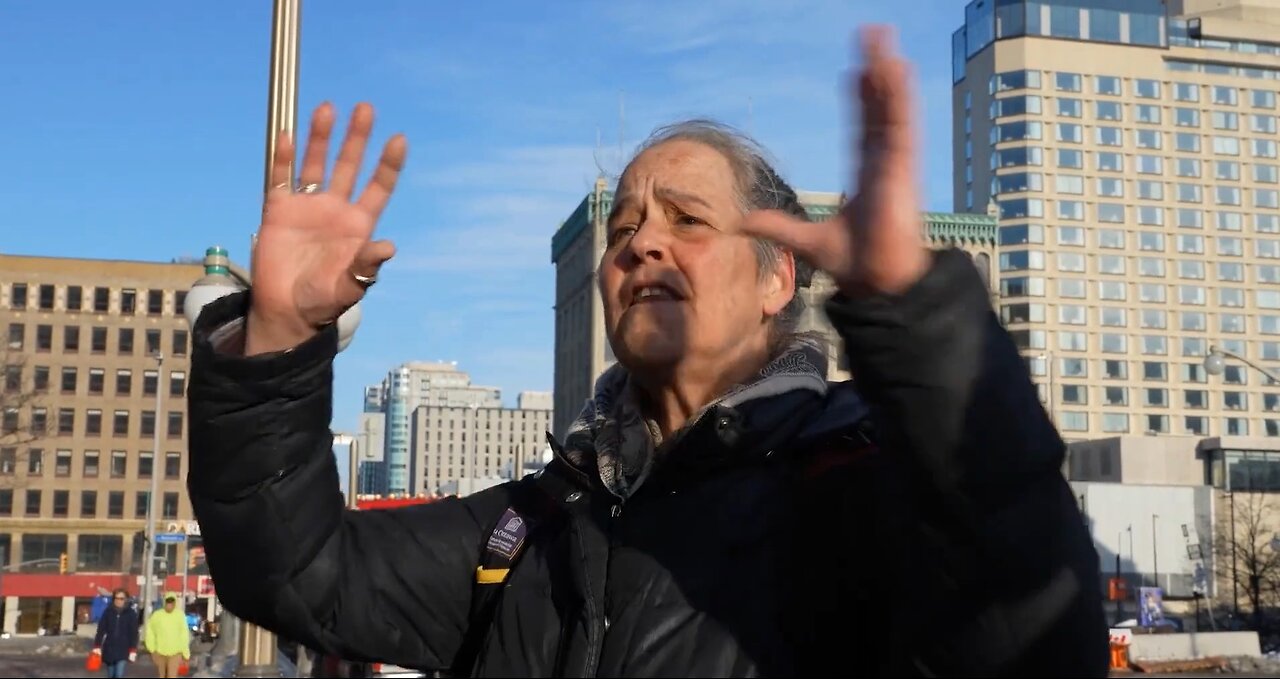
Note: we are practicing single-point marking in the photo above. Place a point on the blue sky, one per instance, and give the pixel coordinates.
(134, 130)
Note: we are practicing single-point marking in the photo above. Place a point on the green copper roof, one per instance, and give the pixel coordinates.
(943, 226)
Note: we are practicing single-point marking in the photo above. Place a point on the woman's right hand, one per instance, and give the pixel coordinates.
(314, 244)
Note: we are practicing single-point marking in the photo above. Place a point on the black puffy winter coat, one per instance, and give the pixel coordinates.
(759, 546)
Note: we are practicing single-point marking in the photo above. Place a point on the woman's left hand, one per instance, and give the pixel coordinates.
(875, 244)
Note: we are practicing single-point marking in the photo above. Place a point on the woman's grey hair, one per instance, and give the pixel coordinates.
(759, 188)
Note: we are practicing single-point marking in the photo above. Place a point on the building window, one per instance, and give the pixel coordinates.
(88, 504)
(93, 422)
(75, 298)
(33, 503)
(128, 302)
(44, 338)
(35, 462)
(140, 505)
(45, 298)
(180, 342)
(1115, 423)
(124, 343)
(170, 510)
(61, 504)
(98, 340)
(120, 423)
(6, 506)
(175, 425)
(17, 336)
(8, 461)
(12, 379)
(124, 382)
(91, 464)
(177, 383)
(148, 423)
(145, 464)
(66, 421)
(18, 296)
(101, 300)
(155, 302)
(119, 464)
(149, 380)
(101, 553)
(96, 379)
(40, 379)
(69, 380)
(153, 342)
(172, 465)
(62, 463)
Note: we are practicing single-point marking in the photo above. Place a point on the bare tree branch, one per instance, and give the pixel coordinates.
(1246, 548)
(24, 417)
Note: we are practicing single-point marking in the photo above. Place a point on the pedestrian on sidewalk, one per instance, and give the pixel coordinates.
(117, 637)
(719, 508)
(168, 637)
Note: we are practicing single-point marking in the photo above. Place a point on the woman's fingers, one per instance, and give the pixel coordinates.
(819, 243)
(383, 183)
(317, 152)
(347, 167)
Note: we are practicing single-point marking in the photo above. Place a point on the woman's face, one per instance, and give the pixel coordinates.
(679, 282)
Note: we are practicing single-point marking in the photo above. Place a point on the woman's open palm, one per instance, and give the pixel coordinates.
(315, 256)
(876, 242)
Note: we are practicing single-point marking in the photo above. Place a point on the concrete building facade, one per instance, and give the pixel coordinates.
(1131, 149)
(77, 426)
(459, 448)
(1169, 504)
(406, 388)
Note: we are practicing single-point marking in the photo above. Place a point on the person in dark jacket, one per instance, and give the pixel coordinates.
(117, 637)
(719, 508)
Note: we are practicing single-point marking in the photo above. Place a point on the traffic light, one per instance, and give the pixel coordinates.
(62, 563)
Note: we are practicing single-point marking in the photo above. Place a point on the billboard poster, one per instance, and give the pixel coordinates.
(1150, 606)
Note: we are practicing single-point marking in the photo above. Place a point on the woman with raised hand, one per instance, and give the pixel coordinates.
(719, 508)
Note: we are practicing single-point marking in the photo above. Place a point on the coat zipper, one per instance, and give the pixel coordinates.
(596, 649)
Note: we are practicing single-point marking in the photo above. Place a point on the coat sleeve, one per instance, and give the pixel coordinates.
(994, 568)
(102, 630)
(131, 624)
(285, 553)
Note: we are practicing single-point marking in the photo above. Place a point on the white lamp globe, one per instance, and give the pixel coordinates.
(347, 324)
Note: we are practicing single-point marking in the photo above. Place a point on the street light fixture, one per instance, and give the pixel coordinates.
(1215, 363)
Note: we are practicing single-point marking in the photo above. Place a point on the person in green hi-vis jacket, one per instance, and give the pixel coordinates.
(168, 638)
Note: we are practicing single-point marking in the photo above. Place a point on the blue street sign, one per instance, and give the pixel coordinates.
(170, 538)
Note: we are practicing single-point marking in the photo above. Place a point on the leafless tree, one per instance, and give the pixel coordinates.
(1247, 547)
(23, 418)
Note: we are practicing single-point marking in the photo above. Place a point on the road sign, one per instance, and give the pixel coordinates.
(170, 538)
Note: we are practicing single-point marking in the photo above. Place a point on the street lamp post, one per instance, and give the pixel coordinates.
(148, 568)
(1155, 553)
(257, 647)
(1047, 357)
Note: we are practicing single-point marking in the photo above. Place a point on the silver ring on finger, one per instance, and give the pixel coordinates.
(308, 188)
(365, 282)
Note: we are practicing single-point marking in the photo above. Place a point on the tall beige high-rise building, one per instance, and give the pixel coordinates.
(582, 352)
(1131, 149)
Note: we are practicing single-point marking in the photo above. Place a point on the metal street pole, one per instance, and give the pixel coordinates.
(257, 647)
(1155, 557)
(1235, 571)
(148, 569)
